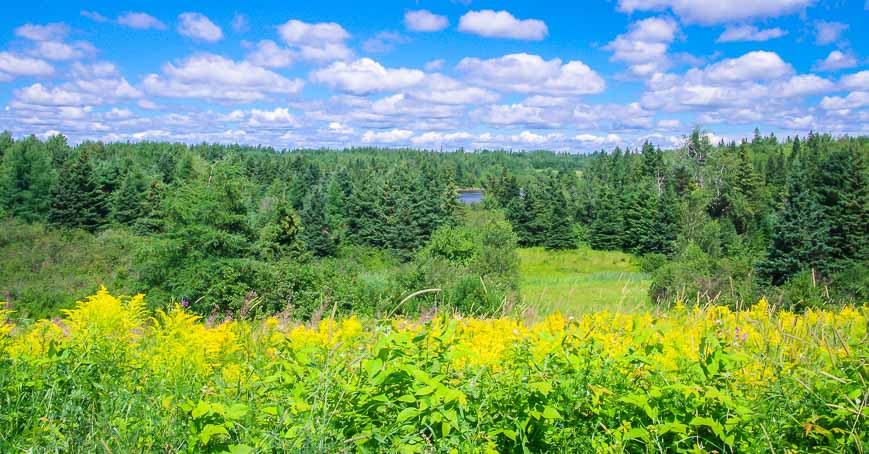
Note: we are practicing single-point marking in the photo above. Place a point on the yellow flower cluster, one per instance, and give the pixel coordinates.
(177, 344)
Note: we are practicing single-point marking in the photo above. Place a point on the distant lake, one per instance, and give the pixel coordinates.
(470, 196)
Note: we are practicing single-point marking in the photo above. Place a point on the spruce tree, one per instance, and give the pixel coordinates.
(316, 232)
(559, 225)
(126, 201)
(26, 178)
(77, 200)
(607, 228)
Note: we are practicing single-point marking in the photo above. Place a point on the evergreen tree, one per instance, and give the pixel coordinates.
(639, 219)
(6, 142)
(77, 200)
(316, 232)
(126, 202)
(26, 178)
(559, 226)
(606, 231)
(799, 236)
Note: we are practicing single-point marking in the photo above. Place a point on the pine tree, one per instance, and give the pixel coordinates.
(126, 201)
(799, 237)
(607, 228)
(316, 232)
(639, 219)
(77, 200)
(26, 178)
(559, 226)
(6, 142)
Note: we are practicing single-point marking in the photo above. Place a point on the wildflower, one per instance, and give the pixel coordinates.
(185, 304)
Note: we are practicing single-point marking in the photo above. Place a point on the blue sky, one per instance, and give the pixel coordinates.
(573, 76)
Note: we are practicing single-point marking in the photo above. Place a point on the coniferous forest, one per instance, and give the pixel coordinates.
(215, 225)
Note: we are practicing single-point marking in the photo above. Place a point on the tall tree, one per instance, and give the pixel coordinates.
(77, 200)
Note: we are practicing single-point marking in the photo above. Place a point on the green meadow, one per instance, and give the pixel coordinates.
(580, 281)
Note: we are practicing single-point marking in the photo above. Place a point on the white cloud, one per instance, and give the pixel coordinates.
(520, 115)
(591, 139)
(56, 31)
(644, 46)
(856, 81)
(854, 100)
(141, 21)
(434, 65)
(15, 65)
(835, 61)
(828, 32)
(756, 65)
(94, 16)
(41, 95)
(390, 136)
(240, 23)
(256, 118)
(384, 42)
(425, 21)
(56, 50)
(323, 41)
(715, 11)
(749, 33)
(366, 76)
(219, 79)
(198, 26)
(530, 138)
(440, 89)
(803, 85)
(502, 24)
(269, 54)
(437, 138)
(527, 73)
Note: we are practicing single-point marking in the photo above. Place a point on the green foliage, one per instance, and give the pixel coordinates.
(77, 199)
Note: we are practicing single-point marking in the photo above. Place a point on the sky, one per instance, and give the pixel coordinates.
(571, 76)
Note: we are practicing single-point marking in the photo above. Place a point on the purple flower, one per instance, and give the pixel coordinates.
(740, 335)
(185, 304)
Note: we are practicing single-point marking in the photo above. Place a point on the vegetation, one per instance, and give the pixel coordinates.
(335, 301)
(107, 377)
(218, 225)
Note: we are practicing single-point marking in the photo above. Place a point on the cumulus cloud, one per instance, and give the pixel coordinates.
(434, 65)
(141, 21)
(502, 24)
(520, 115)
(270, 55)
(856, 81)
(709, 12)
(441, 89)
(835, 61)
(199, 27)
(526, 73)
(56, 31)
(12, 65)
(365, 76)
(384, 42)
(732, 83)
(828, 32)
(597, 140)
(644, 46)
(217, 78)
(279, 117)
(756, 65)
(387, 137)
(323, 41)
(57, 50)
(749, 33)
(854, 100)
(425, 21)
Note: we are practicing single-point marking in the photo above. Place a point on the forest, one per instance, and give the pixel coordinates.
(217, 226)
(165, 297)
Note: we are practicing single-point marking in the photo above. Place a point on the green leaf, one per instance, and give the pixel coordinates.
(211, 430)
(549, 412)
(407, 413)
(373, 366)
(235, 411)
(240, 449)
(201, 409)
(636, 433)
(542, 387)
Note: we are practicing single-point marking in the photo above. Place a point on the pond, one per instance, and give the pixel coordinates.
(470, 196)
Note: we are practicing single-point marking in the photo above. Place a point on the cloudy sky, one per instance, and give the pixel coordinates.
(440, 74)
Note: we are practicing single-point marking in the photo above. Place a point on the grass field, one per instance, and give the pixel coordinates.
(581, 281)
